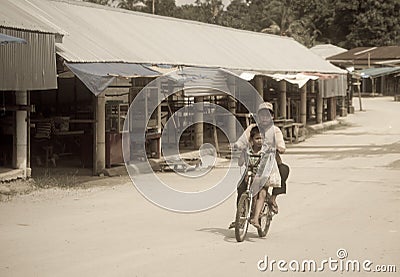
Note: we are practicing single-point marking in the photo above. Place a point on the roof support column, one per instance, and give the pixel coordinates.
(320, 106)
(259, 85)
(331, 108)
(20, 155)
(373, 80)
(198, 119)
(282, 88)
(343, 107)
(231, 120)
(303, 104)
(99, 135)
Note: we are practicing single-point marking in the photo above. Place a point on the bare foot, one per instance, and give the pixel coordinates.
(255, 223)
(274, 205)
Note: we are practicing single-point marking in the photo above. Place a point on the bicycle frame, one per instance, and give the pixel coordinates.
(245, 206)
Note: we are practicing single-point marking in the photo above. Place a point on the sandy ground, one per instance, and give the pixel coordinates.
(344, 193)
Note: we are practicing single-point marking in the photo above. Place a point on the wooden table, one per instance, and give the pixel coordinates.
(286, 126)
(292, 131)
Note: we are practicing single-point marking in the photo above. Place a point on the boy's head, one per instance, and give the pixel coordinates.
(255, 137)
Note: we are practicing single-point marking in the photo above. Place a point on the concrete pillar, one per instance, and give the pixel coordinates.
(282, 88)
(320, 106)
(303, 104)
(99, 163)
(198, 127)
(259, 85)
(21, 133)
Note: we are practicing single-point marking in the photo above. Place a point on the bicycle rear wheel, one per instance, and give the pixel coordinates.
(265, 221)
(242, 217)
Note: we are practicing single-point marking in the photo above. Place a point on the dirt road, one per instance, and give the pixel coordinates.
(344, 193)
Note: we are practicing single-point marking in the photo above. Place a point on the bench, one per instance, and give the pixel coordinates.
(299, 132)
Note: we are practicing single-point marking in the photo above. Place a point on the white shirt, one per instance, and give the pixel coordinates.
(268, 142)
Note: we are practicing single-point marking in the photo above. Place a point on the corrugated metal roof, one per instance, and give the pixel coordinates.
(102, 34)
(372, 53)
(378, 72)
(13, 14)
(327, 50)
(30, 66)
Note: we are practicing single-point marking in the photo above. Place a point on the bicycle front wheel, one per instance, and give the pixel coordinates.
(242, 217)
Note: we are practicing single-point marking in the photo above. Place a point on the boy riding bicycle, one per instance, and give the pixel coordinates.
(268, 135)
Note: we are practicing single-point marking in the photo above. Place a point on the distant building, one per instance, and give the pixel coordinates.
(377, 67)
(327, 50)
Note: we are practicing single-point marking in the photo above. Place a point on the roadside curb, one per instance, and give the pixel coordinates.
(325, 126)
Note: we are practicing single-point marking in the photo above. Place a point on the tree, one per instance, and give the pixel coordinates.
(292, 18)
(100, 2)
(237, 15)
(208, 11)
(161, 7)
(133, 5)
(366, 23)
(376, 23)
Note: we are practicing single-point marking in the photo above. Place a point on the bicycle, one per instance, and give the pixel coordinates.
(245, 206)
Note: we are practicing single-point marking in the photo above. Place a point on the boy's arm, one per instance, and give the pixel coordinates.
(243, 141)
(242, 158)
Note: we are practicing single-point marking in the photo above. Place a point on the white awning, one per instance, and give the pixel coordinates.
(297, 79)
(5, 39)
(98, 76)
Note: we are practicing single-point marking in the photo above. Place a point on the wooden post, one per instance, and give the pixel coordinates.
(28, 132)
(20, 152)
(320, 106)
(231, 120)
(359, 93)
(289, 110)
(312, 106)
(303, 105)
(343, 108)
(215, 130)
(331, 108)
(282, 88)
(373, 86)
(99, 135)
(198, 127)
(259, 85)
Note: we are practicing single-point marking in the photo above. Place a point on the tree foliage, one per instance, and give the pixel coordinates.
(347, 23)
